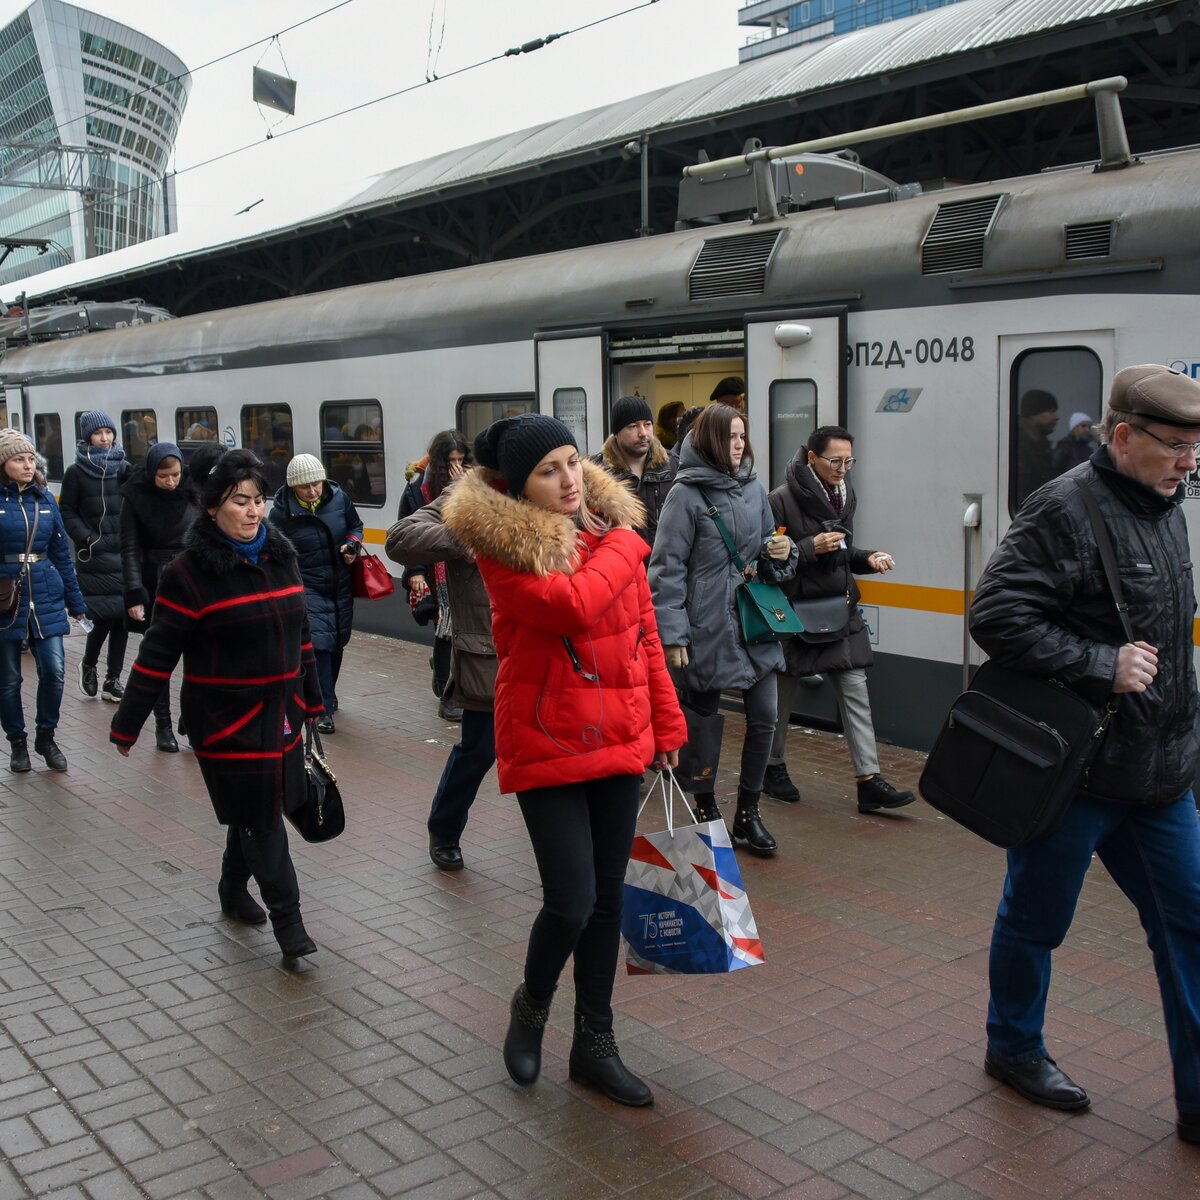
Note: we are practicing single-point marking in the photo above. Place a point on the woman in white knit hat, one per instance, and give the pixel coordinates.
(35, 555)
(320, 520)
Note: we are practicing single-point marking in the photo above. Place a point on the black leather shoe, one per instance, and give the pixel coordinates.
(164, 739)
(1188, 1126)
(445, 858)
(876, 793)
(294, 942)
(19, 757)
(523, 1042)
(448, 711)
(748, 826)
(240, 905)
(706, 806)
(778, 784)
(595, 1061)
(1040, 1081)
(45, 745)
(325, 725)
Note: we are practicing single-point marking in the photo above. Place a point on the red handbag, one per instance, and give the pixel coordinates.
(371, 579)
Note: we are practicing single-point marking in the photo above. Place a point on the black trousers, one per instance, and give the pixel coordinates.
(263, 854)
(112, 628)
(761, 703)
(581, 834)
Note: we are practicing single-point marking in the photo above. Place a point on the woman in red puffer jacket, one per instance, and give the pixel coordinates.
(583, 705)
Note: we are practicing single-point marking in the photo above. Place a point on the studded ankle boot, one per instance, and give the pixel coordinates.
(523, 1042)
(748, 825)
(706, 807)
(596, 1062)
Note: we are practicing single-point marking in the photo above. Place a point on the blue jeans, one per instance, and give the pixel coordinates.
(469, 761)
(1153, 856)
(48, 654)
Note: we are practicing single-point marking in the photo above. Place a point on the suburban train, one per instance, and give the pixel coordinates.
(916, 319)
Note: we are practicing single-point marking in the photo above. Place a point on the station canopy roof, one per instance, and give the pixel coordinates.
(878, 51)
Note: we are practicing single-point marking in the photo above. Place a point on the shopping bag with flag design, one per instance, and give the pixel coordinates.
(686, 911)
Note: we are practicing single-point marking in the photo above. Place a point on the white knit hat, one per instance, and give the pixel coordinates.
(305, 468)
(13, 441)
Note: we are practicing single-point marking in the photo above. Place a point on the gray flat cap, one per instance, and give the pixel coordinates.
(1157, 393)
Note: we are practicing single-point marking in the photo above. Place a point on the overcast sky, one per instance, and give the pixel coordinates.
(371, 47)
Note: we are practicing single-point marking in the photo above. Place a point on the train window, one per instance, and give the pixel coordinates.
(570, 407)
(1054, 398)
(47, 437)
(267, 430)
(194, 427)
(793, 408)
(139, 431)
(352, 449)
(475, 413)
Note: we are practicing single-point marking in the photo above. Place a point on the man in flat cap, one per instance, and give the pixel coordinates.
(1043, 606)
(635, 456)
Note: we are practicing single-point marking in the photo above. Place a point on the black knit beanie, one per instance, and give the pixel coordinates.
(628, 409)
(515, 445)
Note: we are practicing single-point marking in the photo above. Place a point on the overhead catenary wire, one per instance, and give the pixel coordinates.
(526, 48)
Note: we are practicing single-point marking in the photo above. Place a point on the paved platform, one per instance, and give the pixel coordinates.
(150, 1048)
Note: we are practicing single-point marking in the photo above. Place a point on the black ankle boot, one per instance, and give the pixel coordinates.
(47, 747)
(748, 826)
(523, 1041)
(236, 902)
(294, 941)
(706, 807)
(596, 1062)
(164, 739)
(19, 756)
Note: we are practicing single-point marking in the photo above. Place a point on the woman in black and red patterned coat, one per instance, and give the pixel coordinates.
(232, 607)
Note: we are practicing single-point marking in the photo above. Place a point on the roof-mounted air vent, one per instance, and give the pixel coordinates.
(732, 266)
(956, 239)
(1092, 240)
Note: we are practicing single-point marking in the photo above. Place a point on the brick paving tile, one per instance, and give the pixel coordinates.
(151, 1048)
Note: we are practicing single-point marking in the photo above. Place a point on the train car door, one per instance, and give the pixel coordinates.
(795, 381)
(570, 382)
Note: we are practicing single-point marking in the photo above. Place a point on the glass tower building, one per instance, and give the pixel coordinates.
(89, 112)
(786, 23)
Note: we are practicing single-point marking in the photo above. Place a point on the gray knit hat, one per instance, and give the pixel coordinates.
(89, 422)
(515, 445)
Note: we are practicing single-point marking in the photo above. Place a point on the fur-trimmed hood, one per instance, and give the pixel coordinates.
(610, 456)
(522, 536)
(215, 556)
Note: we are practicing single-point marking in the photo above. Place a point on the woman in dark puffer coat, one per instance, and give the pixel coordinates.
(320, 520)
(158, 511)
(90, 502)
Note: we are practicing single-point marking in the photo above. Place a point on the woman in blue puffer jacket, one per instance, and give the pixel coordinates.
(320, 520)
(36, 554)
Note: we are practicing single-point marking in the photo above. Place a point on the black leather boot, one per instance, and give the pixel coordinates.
(164, 739)
(706, 807)
(19, 756)
(523, 1041)
(236, 902)
(294, 941)
(47, 747)
(596, 1062)
(748, 826)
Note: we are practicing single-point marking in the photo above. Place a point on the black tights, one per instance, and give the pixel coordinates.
(581, 834)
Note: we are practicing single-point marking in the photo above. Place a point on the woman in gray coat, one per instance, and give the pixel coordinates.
(693, 581)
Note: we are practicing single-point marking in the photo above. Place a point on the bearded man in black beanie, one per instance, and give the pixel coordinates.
(638, 459)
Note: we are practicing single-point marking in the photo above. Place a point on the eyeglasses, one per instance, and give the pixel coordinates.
(838, 464)
(1179, 449)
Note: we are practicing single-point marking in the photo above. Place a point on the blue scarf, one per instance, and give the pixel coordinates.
(98, 462)
(250, 550)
